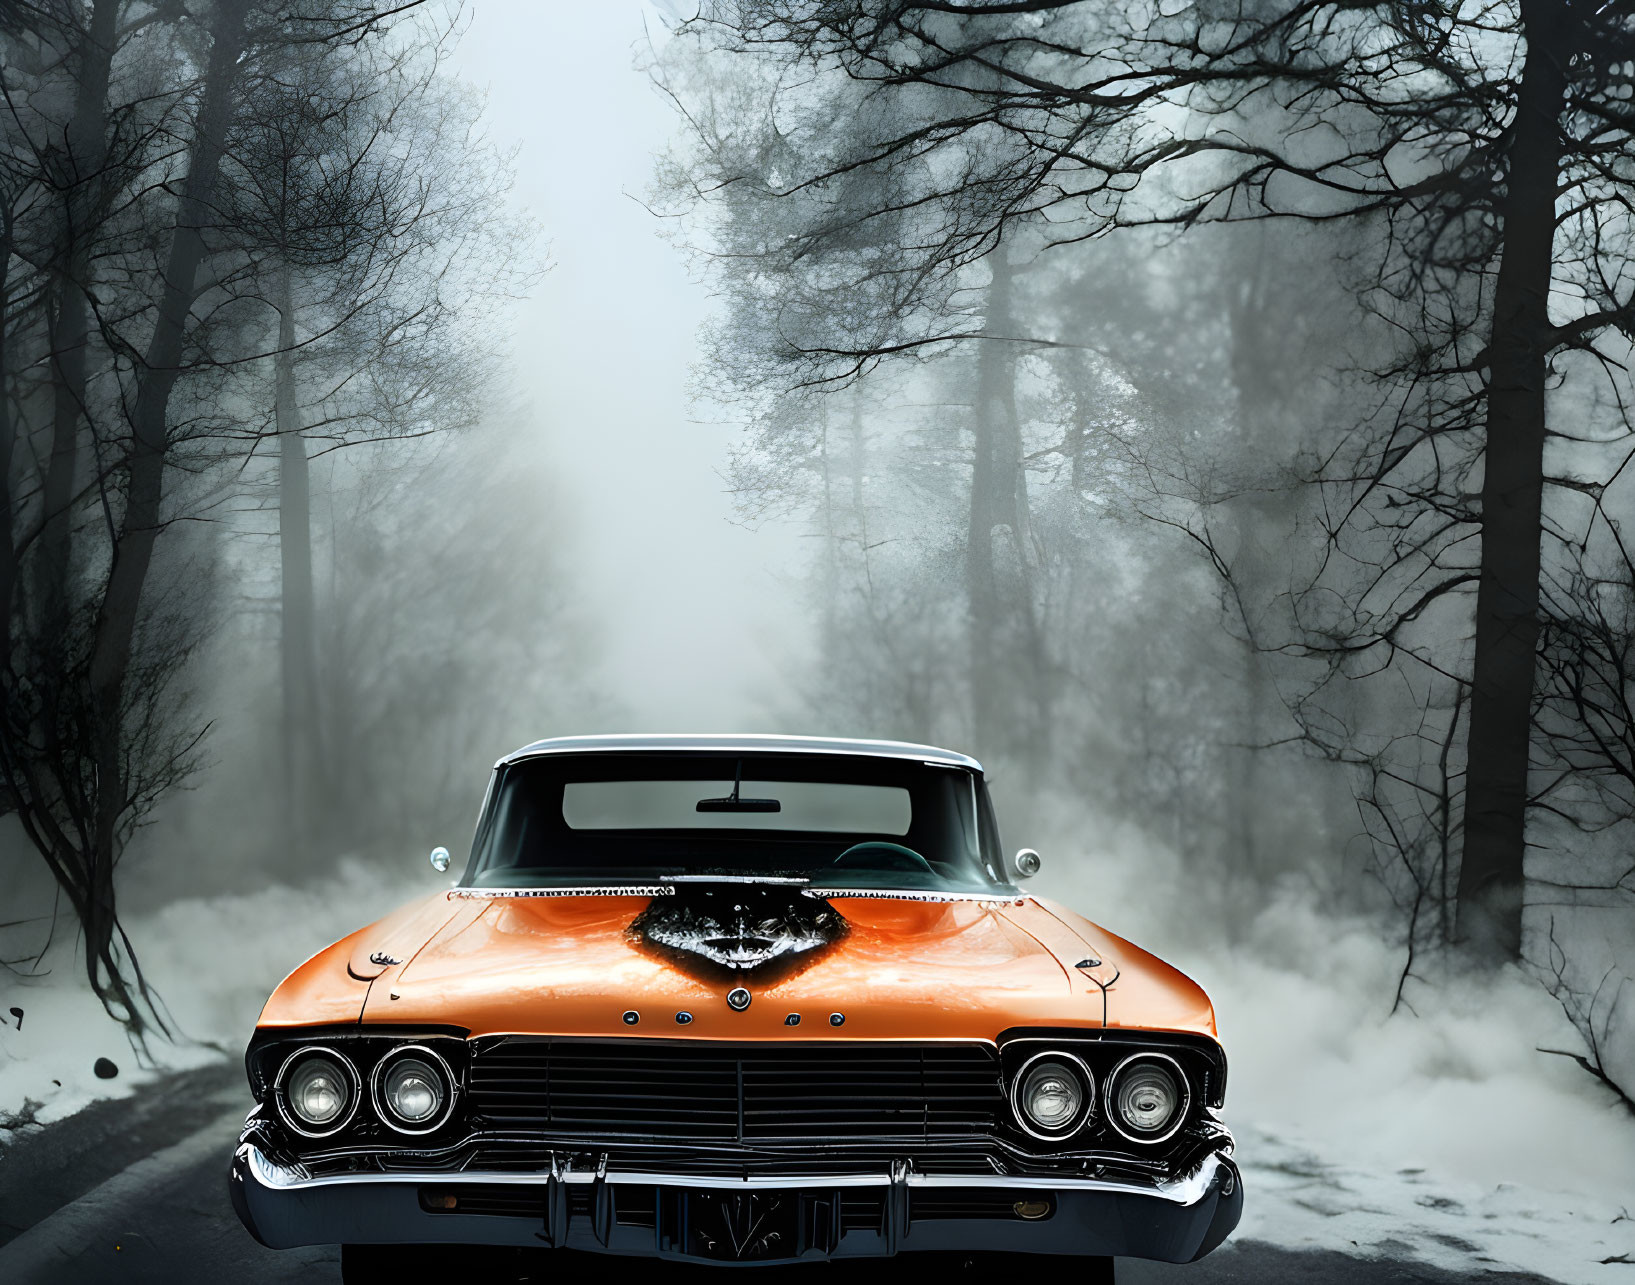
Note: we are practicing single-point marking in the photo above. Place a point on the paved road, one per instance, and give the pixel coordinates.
(163, 1215)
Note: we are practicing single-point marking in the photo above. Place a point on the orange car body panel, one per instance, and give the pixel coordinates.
(918, 970)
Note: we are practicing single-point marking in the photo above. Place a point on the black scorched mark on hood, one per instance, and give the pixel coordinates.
(738, 932)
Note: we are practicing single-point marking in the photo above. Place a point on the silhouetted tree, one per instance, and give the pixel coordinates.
(125, 273)
(1485, 150)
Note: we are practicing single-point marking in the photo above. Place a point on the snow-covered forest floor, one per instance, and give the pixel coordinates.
(1444, 1136)
(212, 961)
(1437, 1137)
(1440, 1134)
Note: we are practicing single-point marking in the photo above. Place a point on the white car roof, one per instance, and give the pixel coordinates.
(751, 743)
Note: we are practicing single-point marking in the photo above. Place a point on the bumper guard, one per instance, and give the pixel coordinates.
(1172, 1221)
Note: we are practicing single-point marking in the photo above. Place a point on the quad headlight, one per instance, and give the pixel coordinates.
(414, 1091)
(317, 1091)
(1052, 1094)
(1147, 1097)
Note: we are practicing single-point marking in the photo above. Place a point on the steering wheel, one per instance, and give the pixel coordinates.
(874, 854)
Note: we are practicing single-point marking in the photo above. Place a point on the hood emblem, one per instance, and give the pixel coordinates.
(738, 999)
(729, 932)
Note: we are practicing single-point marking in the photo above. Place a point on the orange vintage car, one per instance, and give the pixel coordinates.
(743, 1000)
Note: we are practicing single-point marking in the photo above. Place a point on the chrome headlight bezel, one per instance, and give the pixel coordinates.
(1077, 1067)
(292, 1118)
(377, 1089)
(1110, 1106)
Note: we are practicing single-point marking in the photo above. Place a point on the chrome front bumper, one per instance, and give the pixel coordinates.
(1175, 1221)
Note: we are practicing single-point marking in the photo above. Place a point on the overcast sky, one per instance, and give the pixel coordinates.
(690, 603)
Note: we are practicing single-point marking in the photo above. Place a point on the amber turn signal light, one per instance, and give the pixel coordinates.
(1032, 1210)
(441, 1200)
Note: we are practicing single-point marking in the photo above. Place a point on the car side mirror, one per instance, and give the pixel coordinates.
(439, 859)
(1027, 863)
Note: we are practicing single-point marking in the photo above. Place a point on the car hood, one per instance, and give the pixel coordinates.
(865, 967)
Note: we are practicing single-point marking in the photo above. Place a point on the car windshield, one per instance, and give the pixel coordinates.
(837, 821)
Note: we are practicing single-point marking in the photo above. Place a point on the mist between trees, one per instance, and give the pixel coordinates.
(249, 254)
(1047, 315)
(1207, 414)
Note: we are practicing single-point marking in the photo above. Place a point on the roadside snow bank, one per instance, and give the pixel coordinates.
(1444, 1135)
(213, 961)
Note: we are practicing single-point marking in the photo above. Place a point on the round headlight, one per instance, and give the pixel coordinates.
(1148, 1097)
(319, 1091)
(413, 1093)
(1051, 1093)
(412, 1089)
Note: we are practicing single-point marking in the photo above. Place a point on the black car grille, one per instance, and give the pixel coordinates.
(859, 1209)
(714, 1093)
(793, 1162)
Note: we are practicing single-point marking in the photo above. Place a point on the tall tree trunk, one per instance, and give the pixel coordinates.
(339, 691)
(859, 466)
(1027, 659)
(8, 448)
(86, 156)
(857, 530)
(831, 545)
(1507, 628)
(302, 737)
(1006, 642)
(1257, 349)
(144, 469)
(990, 503)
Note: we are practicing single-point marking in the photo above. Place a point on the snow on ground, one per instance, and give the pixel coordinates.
(1447, 1137)
(1444, 1137)
(1296, 1199)
(212, 960)
(1449, 1132)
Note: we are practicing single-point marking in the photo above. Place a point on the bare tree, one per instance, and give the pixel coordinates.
(1485, 150)
(123, 271)
(371, 207)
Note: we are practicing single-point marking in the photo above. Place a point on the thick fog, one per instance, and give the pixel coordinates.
(695, 613)
(680, 392)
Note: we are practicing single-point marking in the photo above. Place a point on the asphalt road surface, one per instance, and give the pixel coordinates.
(135, 1191)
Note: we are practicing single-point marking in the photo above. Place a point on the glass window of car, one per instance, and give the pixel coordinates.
(830, 819)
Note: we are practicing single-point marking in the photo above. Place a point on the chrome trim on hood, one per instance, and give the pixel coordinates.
(995, 898)
(998, 897)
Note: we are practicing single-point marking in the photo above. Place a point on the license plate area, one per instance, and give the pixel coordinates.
(749, 1225)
